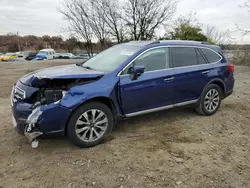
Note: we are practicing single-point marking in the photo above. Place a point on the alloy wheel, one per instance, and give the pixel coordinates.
(91, 125)
(212, 100)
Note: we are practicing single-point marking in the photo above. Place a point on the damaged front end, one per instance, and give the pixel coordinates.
(42, 99)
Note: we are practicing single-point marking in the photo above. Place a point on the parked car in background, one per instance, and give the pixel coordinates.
(46, 54)
(86, 57)
(85, 100)
(19, 54)
(64, 56)
(83, 55)
(8, 56)
(30, 56)
(18, 59)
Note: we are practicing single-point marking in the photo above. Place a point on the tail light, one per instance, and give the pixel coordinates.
(230, 68)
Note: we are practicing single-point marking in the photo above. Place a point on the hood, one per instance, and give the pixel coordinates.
(65, 73)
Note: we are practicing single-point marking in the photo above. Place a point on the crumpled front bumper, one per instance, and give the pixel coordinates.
(51, 118)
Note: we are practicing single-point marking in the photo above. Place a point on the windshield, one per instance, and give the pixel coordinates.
(43, 53)
(112, 58)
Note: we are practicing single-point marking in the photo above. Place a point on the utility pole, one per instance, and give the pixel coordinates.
(18, 42)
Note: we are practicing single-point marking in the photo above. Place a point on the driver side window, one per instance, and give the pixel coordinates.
(155, 59)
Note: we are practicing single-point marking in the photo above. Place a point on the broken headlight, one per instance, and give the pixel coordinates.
(53, 96)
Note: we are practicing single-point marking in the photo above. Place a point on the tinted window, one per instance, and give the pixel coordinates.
(184, 56)
(200, 58)
(155, 59)
(211, 56)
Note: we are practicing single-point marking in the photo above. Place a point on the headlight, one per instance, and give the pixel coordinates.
(53, 96)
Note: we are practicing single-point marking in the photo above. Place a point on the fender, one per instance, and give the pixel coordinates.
(78, 96)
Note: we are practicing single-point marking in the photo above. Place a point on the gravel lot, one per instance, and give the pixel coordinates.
(174, 148)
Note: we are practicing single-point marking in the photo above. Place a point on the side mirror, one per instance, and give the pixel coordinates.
(136, 71)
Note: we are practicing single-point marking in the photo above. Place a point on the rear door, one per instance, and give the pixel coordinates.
(154, 88)
(191, 69)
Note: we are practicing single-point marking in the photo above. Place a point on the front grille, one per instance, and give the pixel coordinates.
(17, 94)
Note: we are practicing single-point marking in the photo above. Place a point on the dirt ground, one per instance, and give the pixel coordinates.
(174, 148)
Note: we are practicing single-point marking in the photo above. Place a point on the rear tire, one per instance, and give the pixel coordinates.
(90, 124)
(210, 100)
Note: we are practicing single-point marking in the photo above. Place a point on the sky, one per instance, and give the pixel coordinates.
(41, 17)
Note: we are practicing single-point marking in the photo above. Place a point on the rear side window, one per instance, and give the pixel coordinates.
(211, 56)
(184, 56)
(200, 58)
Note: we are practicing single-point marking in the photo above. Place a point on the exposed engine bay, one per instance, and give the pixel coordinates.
(53, 90)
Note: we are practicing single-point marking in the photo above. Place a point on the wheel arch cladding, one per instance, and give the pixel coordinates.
(105, 100)
(220, 84)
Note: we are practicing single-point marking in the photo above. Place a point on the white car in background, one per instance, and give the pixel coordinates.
(64, 55)
(46, 54)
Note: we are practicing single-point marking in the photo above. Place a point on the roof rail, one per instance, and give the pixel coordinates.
(205, 43)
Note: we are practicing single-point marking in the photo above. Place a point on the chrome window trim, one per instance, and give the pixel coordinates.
(161, 108)
(171, 46)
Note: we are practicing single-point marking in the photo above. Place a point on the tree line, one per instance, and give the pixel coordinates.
(12, 42)
(96, 25)
(125, 20)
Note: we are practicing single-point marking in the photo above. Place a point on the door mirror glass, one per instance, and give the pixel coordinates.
(136, 71)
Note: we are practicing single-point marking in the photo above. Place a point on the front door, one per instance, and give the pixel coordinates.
(154, 88)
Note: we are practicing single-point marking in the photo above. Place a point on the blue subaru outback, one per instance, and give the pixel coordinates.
(85, 100)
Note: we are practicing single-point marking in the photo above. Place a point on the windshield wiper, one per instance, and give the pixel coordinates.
(85, 67)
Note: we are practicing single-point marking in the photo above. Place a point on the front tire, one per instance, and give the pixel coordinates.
(210, 100)
(90, 124)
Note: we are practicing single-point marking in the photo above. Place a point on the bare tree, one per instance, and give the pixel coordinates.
(75, 13)
(143, 18)
(217, 36)
(113, 18)
(128, 19)
(246, 6)
(96, 20)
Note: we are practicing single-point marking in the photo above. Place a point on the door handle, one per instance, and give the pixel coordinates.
(205, 72)
(169, 79)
